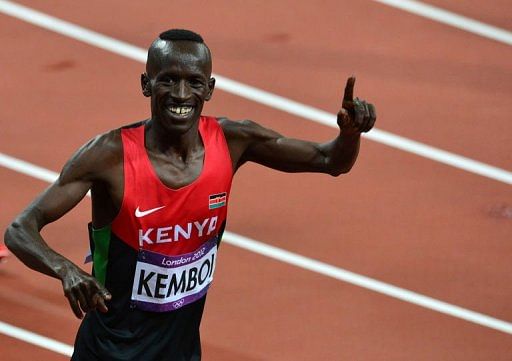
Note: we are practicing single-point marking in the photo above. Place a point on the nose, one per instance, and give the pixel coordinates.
(180, 90)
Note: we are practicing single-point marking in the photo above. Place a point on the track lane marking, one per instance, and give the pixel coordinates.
(256, 95)
(452, 19)
(35, 339)
(307, 263)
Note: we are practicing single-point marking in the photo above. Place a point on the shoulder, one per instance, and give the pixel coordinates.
(245, 129)
(236, 127)
(94, 158)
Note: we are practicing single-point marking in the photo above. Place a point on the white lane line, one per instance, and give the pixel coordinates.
(449, 18)
(365, 282)
(309, 263)
(377, 135)
(254, 94)
(27, 168)
(35, 339)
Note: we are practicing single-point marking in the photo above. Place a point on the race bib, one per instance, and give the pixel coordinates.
(165, 283)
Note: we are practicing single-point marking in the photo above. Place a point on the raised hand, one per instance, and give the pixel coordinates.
(355, 115)
(84, 292)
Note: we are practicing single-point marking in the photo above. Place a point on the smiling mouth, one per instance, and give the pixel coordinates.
(181, 111)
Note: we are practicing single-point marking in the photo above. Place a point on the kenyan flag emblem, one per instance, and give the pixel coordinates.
(217, 200)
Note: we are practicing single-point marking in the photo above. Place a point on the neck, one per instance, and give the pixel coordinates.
(165, 141)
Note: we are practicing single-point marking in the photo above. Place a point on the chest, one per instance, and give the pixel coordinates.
(175, 172)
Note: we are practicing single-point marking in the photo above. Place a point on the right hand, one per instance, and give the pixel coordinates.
(84, 292)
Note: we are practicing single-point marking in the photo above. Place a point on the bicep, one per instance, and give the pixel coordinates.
(273, 150)
(74, 182)
(58, 199)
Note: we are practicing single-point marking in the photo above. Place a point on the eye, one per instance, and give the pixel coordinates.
(196, 83)
(166, 79)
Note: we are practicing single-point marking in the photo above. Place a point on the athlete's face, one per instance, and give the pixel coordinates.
(178, 79)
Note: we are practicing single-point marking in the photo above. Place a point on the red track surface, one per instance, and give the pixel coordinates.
(396, 217)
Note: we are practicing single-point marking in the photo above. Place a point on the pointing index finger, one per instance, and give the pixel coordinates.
(349, 89)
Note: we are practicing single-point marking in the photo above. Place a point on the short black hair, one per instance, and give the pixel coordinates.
(181, 34)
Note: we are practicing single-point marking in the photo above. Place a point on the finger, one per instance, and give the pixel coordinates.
(103, 292)
(86, 292)
(97, 290)
(108, 296)
(83, 300)
(373, 116)
(366, 116)
(100, 303)
(359, 114)
(74, 305)
(348, 96)
(103, 295)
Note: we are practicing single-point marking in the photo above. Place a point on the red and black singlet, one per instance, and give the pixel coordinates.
(157, 258)
(189, 210)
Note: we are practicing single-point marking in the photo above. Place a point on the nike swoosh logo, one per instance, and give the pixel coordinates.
(139, 213)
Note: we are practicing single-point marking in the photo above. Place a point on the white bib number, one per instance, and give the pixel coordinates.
(165, 283)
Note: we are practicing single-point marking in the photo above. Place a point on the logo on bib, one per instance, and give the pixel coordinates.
(165, 283)
(217, 200)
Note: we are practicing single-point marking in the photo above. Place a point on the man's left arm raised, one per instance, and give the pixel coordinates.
(248, 141)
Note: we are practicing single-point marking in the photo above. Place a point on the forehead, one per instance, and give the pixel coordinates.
(166, 55)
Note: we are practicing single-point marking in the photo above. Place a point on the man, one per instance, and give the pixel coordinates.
(159, 193)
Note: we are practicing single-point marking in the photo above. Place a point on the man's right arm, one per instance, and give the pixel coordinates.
(23, 236)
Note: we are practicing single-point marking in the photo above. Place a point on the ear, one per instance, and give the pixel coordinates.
(145, 84)
(211, 86)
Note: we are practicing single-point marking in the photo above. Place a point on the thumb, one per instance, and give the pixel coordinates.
(343, 117)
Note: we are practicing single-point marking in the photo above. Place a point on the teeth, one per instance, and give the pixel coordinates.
(181, 110)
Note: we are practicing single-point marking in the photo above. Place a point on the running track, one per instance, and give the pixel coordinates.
(397, 217)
